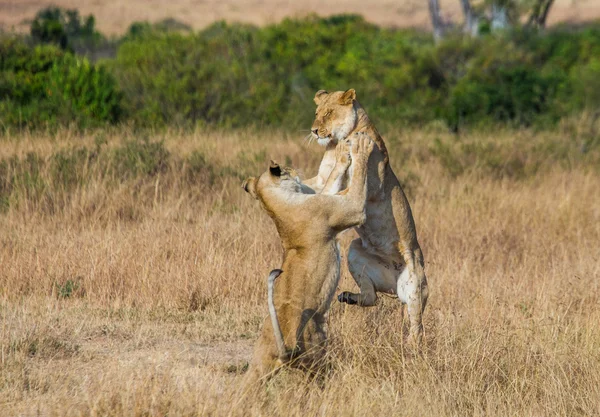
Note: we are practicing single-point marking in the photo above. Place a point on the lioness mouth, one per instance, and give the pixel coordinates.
(324, 141)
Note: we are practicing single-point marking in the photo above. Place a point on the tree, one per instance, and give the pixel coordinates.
(539, 13)
(64, 28)
(436, 20)
(500, 14)
(471, 25)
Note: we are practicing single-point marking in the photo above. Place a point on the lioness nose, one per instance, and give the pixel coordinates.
(315, 131)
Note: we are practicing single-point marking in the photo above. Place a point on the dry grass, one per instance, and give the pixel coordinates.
(115, 16)
(144, 297)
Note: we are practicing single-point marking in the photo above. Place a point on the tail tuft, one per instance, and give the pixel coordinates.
(273, 275)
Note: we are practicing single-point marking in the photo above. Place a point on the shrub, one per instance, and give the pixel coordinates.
(236, 75)
(139, 157)
(85, 92)
(502, 84)
(212, 78)
(140, 30)
(44, 86)
(65, 28)
(240, 75)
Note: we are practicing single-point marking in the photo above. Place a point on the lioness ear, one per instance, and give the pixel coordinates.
(275, 169)
(348, 97)
(249, 186)
(320, 96)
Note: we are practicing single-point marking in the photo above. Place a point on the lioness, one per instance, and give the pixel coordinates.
(307, 225)
(387, 256)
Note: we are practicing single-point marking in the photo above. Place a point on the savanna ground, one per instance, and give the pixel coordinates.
(133, 278)
(115, 16)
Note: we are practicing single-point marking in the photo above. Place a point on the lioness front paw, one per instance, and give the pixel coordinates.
(362, 146)
(346, 297)
(342, 154)
(362, 134)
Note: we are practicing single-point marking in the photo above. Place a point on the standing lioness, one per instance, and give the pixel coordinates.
(387, 256)
(307, 225)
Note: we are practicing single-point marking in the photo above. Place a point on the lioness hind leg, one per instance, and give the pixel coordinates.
(370, 274)
(412, 289)
(264, 364)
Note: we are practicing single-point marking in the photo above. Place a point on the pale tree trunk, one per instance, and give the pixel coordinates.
(499, 19)
(471, 21)
(436, 20)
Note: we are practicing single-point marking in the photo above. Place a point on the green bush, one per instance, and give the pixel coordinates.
(503, 85)
(240, 75)
(210, 78)
(85, 92)
(65, 28)
(144, 29)
(44, 86)
(236, 75)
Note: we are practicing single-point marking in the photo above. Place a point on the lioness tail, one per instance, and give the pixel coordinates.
(273, 313)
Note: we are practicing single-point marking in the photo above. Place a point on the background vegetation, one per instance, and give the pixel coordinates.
(239, 75)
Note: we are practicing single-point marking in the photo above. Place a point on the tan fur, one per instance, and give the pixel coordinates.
(307, 225)
(387, 256)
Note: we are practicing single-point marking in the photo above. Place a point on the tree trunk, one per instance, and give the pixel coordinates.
(471, 22)
(544, 15)
(499, 19)
(539, 13)
(436, 20)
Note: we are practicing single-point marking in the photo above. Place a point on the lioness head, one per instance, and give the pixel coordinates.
(276, 177)
(335, 117)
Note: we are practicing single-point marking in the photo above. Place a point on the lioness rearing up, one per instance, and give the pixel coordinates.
(387, 256)
(307, 225)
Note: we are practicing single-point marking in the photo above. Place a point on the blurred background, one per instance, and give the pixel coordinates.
(461, 63)
(115, 16)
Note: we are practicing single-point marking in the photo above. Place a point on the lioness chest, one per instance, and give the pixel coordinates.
(377, 234)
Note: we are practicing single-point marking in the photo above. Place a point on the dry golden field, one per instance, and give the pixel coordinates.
(133, 291)
(113, 17)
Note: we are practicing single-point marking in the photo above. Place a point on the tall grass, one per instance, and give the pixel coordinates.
(133, 269)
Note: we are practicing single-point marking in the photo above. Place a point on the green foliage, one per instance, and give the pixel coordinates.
(503, 85)
(69, 288)
(65, 28)
(240, 75)
(172, 78)
(86, 92)
(44, 86)
(144, 29)
(236, 75)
